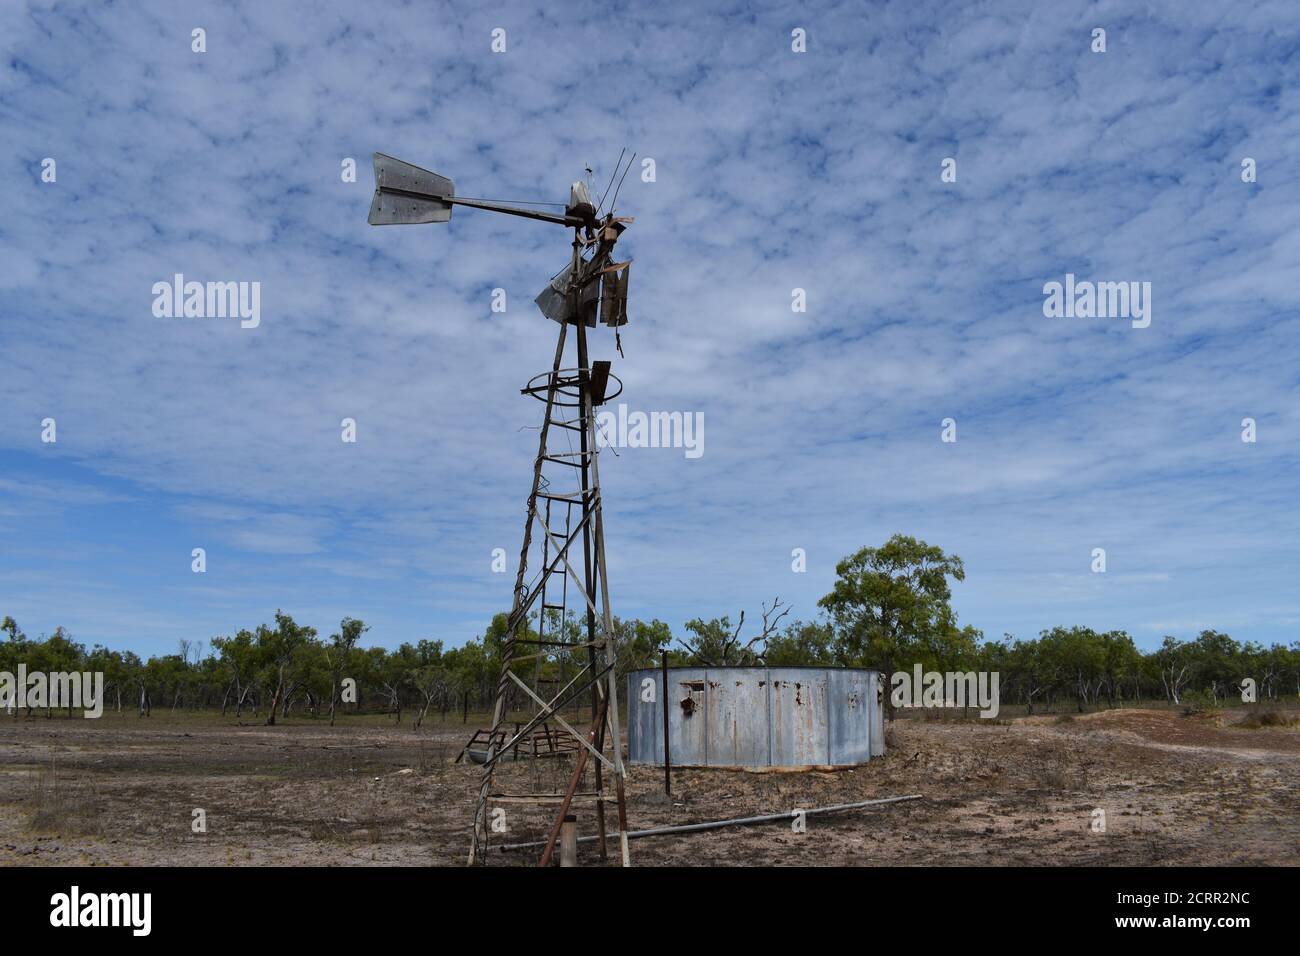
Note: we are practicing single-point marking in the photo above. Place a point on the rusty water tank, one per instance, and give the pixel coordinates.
(756, 717)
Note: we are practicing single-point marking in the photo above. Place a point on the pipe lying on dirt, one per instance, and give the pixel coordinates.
(717, 824)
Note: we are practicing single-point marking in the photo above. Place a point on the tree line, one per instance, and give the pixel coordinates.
(889, 608)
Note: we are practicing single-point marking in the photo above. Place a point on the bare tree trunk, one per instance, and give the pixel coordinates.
(275, 698)
(419, 719)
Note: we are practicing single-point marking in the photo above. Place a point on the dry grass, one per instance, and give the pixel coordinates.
(61, 805)
(1268, 718)
(1013, 792)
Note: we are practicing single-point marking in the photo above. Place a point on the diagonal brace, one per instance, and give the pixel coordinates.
(563, 723)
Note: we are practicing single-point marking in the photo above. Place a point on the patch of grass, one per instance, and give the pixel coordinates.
(1269, 718)
(57, 808)
(948, 715)
(320, 830)
(1200, 702)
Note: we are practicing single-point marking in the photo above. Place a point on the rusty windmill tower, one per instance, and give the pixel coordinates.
(564, 505)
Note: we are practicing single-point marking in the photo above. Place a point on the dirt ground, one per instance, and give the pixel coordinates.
(1198, 790)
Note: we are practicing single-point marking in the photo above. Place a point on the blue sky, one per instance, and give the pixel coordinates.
(775, 170)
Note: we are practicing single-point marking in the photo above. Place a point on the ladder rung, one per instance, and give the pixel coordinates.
(572, 499)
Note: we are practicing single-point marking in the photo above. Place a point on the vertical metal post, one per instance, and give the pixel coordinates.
(607, 624)
(569, 841)
(574, 779)
(668, 752)
(589, 582)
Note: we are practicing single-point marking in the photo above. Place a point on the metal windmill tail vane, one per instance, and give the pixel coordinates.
(407, 194)
(563, 528)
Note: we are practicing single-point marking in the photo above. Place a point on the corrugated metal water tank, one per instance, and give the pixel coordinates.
(756, 716)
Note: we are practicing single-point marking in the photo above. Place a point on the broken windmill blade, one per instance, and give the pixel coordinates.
(590, 290)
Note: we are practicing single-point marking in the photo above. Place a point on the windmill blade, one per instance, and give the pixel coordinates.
(613, 294)
(406, 194)
(554, 299)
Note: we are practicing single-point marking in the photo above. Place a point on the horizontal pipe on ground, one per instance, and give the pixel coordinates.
(717, 824)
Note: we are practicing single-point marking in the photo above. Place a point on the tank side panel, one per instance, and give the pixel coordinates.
(634, 733)
(737, 717)
(799, 717)
(851, 696)
(687, 725)
(878, 716)
(645, 726)
(819, 744)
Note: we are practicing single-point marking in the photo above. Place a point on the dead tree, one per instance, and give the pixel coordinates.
(1175, 677)
(769, 628)
(729, 649)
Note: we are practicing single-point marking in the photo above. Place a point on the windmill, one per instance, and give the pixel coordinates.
(590, 290)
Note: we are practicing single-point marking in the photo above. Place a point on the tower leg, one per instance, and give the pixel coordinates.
(518, 616)
(587, 443)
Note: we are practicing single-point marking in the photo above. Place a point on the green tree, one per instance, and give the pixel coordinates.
(60, 654)
(1120, 659)
(1174, 665)
(340, 654)
(429, 677)
(1036, 667)
(238, 656)
(113, 666)
(283, 655)
(892, 602)
(802, 643)
(1216, 662)
(1077, 655)
(639, 643)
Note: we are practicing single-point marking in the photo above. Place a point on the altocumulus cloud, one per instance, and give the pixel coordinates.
(774, 171)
